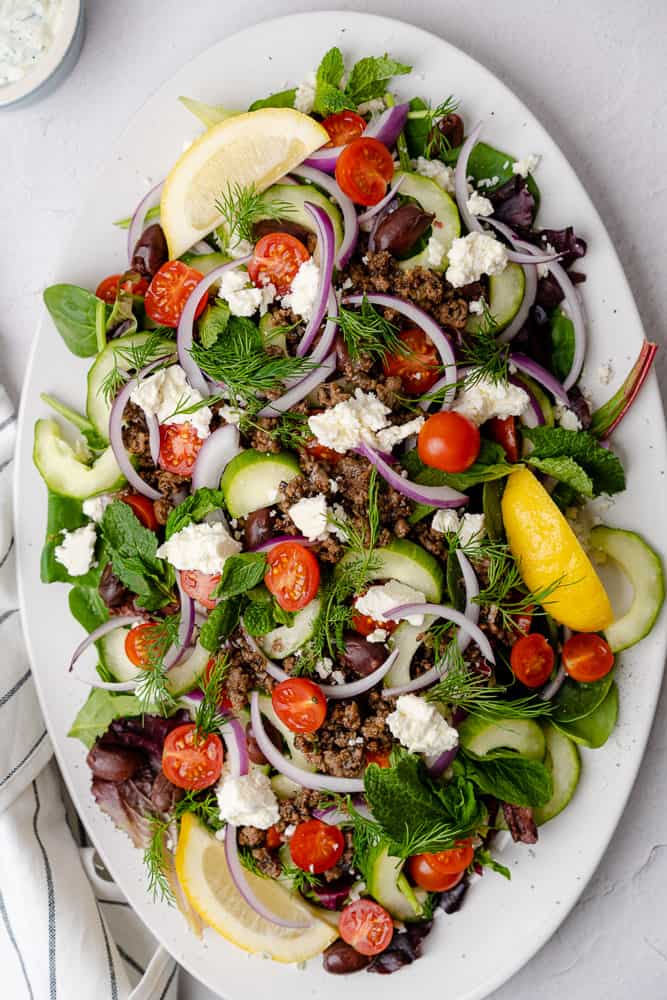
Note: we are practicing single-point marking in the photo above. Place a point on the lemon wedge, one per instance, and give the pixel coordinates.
(206, 881)
(254, 148)
(547, 549)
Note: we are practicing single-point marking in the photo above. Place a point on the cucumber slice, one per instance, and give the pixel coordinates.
(388, 885)
(642, 565)
(286, 639)
(296, 195)
(205, 262)
(564, 763)
(253, 479)
(406, 639)
(540, 395)
(595, 729)
(506, 291)
(409, 563)
(431, 197)
(284, 787)
(180, 679)
(64, 473)
(523, 735)
(268, 329)
(267, 710)
(492, 494)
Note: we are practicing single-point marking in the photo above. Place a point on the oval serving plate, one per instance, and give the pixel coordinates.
(502, 924)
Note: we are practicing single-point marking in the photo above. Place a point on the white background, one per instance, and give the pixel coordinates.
(594, 73)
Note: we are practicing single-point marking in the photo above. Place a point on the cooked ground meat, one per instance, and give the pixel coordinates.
(337, 747)
(300, 808)
(246, 671)
(433, 541)
(173, 488)
(162, 510)
(329, 551)
(314, 471)
(135, 432)
(267, 862)
(330, 393)
(261, 439)
(374, 728)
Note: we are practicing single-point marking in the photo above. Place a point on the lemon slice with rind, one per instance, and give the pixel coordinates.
(256, 148)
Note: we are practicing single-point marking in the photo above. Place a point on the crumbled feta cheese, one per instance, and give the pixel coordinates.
(248, 800)
(446, 521)
(542, 270)
(337, 677)
(525, 166)
(77, 549)
(605, 373)
(435, 252)
(377, 635)
(372, 107)
(337, 514)
(203, 547)
(420, 727)
(472, 256)
(94, 507)
(567, 419)
(476, 307)
(477, 204)
(303, 292)
(470, 527)
(324, 667)
(242, 297)
(231, 414)
(304, 98)
(486, 399)
(436, 171)
(488, 182)
(165, 391)
(345, 425)
(238, 248)
(386, 596)
(388, 438)
(310, 515)
(348, 283)
(333, 486)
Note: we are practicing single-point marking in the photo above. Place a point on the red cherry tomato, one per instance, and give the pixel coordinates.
(300, 704)
(434, 871)
(343, 127)
(444, 882)
(532, 660)
(448, 441)
(379, 757)
(199, 585)
(316, 846)
(366, 926)
(179, 447)
(190, 760)
(170, 289)
(363, 170)
(503, 430)
(108, 288)
(524, 621)
(275, 260)
(321, 453)
(274, 838)
(419, 368)
(587, 657)
(364, 624)
(143, 509)
(142, 644)
(293, 575)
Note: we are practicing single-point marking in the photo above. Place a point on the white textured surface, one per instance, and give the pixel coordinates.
(594, 74)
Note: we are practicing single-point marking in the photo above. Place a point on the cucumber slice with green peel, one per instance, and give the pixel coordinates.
(67, 475)
(271, 333)
(286, 639)
(523, 735)
(596, 728)
(296, 196)
(180, 679)
(284, 787)
(492, 494)
(506, 291)
(446, 224)
(268, 711)
(540, 395)
(643, 567)
(577, 701)
(409, 563)
(564, 763)
(253, 479)
(386, 882)
(406, 639)
(205, 262)
(117, 354)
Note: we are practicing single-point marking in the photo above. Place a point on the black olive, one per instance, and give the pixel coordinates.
(401, 229)
(150, 252)
(266, 226)
(257, 527)
(449, 128)
(113, 763)
(362, 656)
(340, 959)
(111, 590)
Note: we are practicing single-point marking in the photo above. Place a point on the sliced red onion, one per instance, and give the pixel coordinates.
(271, 543)
(551, 689)
(234, 736)
(471, 610)
(153, 425)
(136, 227)
(433, 496)
(533, 416)
(185, 331)
(524, 253)
(325, 343)
(240, 880)
(470, 221)
(371, 212)
(576, 314)
(386, 127)
(186, 627)
(118, 622)
(346, 205)
(215, 453)
(301, 389)
(438, 764)
(321, 782)
(355, 688)
(327, 246)
(529, 367)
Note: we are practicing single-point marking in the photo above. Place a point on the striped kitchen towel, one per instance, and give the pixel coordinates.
(63, 935)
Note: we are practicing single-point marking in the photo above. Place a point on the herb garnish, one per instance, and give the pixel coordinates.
(135, 357)
(133, 553)
(483, 349)
(428, 117)
(242, 206)
(366, 331)
(470, 691)
(155, 860)
(208, 717)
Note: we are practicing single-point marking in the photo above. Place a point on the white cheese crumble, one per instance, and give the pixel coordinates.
(324, 667)
(525, 166)
(231, 414)
(470, 527)
(388, 438)
(168, 389)
(373, 107)
(203, 547)
(567, 419)
(77, 549)
(303, 292)
(337, 677)
(377, 635)
(305, 94)
(94, 507)
(476, 307)
(248, 800)
(361, 418)
(420, 727)
(383, 597)
(472, 256)
(436, 171)
(486, 399)
(487, 182)
(242, 297)
(477, 204)
(435, 252)
(310, 515)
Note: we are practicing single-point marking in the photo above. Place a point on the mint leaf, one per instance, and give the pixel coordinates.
(562, 343)
(565, 470)
(258, 618)
(133, 552)
(282, 617)
(99, 711)
(220, 623)
(193, 509)
(371, 76)
(602, 465)
(508, 777)
(282, 99)
(240, 573)
(213, 322)
(330, 100)
(331, 68)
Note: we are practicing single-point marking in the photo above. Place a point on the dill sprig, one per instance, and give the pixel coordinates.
(249, 862)
(366, 331)
(208, 717)
(470, 691)
(300, 880)
(291, 430)
(436, 142)
(152, 688)
(134, 357)
(155, 860)
(241, 206)
(482, 349)
(204, 806)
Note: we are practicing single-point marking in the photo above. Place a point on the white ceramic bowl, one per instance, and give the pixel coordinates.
(55, 63)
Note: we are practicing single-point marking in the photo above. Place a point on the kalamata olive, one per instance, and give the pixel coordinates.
(401, 229)
(340, 959)
(254, 753)
(150, 252)
(257, 527)
(266, 226)
(113, 763)
(362, 656)
(451, 128)
(111, 590)
(164, 795)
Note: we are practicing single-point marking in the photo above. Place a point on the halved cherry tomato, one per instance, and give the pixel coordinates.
(364, 169)
(190, 760)
(364, 624)
(321, 453)
(532, 660)
(293, 575)
(448, 441)
(170, 289)
(179, 447)
(199, 585)
(366, 926)
(587, 657)
(503, 430)
(274, 838)
(433, 871)
(316, 846)
(141, 644)
(379, 757)
(143, 509)
(275, 260)
(343, 127)
(427, 874)
(419, 368)
(108, 287)
(300, 704)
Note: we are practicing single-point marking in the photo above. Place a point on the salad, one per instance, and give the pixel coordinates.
(332, 520)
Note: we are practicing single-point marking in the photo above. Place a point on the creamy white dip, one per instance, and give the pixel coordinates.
(27, 29)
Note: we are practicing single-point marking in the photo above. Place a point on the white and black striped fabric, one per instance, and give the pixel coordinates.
(61, 936)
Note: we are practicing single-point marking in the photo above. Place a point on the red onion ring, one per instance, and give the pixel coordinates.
(371, 212)
(271, 543)
(354, 688)
(186, 627)
(240, 880)
(433, 496)
(529, 367)
(270, 666)
(335, 816)
(136, 227)
(236, 744)
(532, 417)
(327, 247)
(551, 689)
(470, 221)
(153, 425)
(118, 622)
(325, 343)
(346, 205)
(214, 455)
(530, 289)
(471, 610)
(438, 764)
(576, 313)
(386, 127)
(301, 389)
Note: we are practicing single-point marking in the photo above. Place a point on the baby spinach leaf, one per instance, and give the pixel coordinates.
(121, 320)
(220, 623)
(484, 857)
(565, 470)
(485, 162)
(417, 130)
(64, 514)
(508, 777)
(78, 316)
(133, 552)
(577, 701)
(562, 343)
(193, 509)
(87, 607)
(602, 465)
(283, 99)
(99, 711)
(240, 573)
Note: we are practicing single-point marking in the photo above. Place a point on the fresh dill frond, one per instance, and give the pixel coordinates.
(427, 838)
(482, 349)
(242, 205)
(291, 430)
(249, 862)
(470, 691)
(132, 358)
(366, 331)
(152, 689)
(204, 805)
(208, 717)
(300, 880)
(155, 860)
(436, 142)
